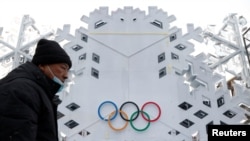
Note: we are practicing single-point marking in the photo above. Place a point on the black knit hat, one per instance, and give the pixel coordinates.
(50, 52)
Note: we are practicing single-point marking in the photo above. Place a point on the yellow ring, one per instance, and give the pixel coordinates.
(112, 127)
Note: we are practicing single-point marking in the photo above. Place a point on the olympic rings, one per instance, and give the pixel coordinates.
(99, 109)
(136, 111)
(132, 125)
(159, 114)
(117, 129)
(126, 118)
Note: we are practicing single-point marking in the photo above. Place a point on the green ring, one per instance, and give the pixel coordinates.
(131, 121)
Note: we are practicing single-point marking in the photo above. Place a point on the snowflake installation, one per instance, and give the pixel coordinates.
(138, 62)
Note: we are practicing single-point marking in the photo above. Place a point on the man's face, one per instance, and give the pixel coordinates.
(60, 70)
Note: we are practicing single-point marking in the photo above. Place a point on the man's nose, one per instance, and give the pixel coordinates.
(65, 76)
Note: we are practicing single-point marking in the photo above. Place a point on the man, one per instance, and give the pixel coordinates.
(28, 100)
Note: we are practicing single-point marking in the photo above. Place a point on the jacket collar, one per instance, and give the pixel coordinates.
(30, 71)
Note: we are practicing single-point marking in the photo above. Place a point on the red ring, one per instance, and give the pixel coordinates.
(151, 120)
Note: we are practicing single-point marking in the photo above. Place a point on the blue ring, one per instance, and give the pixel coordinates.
(116, 110)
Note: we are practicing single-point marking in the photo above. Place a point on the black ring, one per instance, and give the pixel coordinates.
(135, 117)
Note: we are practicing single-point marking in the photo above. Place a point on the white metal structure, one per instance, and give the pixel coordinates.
(129, 58)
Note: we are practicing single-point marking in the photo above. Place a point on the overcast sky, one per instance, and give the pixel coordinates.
(60, 12)
(56, 13)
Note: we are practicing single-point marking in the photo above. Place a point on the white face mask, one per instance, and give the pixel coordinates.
(57, 80)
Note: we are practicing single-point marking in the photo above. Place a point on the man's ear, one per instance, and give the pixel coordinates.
(45, 70)
(42, 67)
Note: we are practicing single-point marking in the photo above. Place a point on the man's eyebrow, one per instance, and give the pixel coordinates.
(65, 65)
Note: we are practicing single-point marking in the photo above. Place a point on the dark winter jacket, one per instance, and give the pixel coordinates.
(27, 105)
